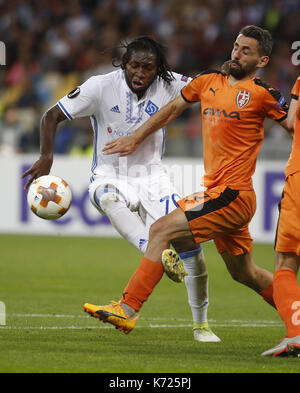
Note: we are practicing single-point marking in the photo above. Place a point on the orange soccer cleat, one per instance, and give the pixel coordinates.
(113, 314)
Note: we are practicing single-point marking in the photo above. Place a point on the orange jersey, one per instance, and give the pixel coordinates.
(293, 164)
(232, 125)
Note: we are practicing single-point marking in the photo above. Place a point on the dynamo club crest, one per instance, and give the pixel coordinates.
(151, 108)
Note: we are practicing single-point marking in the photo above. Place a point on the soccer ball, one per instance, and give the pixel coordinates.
(49, 197)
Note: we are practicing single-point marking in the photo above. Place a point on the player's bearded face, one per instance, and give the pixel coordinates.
(245, 57)
(140, 71)
(238, 71)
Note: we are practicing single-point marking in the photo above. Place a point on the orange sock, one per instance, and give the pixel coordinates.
(267, 294)
(287, 299)
(142, 283)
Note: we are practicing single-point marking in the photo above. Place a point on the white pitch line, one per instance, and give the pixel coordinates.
(211, 321)
(150, 326)
(52, 327)
(86, 316)
(137, 327)
(46, 316)
(177, 323)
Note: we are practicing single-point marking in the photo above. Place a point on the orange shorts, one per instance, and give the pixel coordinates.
(288, 228)
(221, 214)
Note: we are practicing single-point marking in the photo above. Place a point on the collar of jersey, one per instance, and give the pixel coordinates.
(237, 84)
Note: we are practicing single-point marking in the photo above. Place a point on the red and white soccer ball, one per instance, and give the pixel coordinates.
(49, 197)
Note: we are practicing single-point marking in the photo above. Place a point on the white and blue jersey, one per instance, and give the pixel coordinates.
(115, 111)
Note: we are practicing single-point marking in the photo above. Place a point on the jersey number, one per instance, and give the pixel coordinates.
(167, 198)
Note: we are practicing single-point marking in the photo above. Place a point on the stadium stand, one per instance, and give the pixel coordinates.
(52, 46)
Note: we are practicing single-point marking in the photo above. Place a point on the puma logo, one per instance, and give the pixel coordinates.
(213, 91)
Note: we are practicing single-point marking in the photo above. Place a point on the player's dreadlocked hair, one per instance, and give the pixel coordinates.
(148, 44)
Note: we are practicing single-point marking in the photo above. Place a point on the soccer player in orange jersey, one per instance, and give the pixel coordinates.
(287, 245)
(234, 107)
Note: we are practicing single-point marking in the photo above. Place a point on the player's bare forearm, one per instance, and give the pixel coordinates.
(291, 116)
(127, 145)
(288, 126)
(47, 135)
(162, 118)
(43, 165)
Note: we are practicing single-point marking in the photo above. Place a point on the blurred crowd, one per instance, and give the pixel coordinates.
(52, 46)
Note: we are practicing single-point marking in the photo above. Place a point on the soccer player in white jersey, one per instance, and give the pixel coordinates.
(132, 191)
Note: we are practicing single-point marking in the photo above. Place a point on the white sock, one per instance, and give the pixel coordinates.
(127, 223)
(196, 283)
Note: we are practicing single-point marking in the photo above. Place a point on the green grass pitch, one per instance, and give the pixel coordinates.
(44, 282)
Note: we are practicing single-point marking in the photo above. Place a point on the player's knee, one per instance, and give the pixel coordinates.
(154, 229)
(240, 268)
(237, 276)
(243, 276)
(184, 245)
(159, 229)
(107, 198)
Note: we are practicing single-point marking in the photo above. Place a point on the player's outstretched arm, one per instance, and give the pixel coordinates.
(292, 114)
(289, 128)
(42, 166)
(288, 123)
(128, 144)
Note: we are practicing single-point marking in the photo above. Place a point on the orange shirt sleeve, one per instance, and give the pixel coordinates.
(275, 105)
(191, 92)
(296, 89)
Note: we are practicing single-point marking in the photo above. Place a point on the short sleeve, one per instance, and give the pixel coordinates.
(296, 89)
(82, 101)
(191, 92)
(274, 104)
(179, 82)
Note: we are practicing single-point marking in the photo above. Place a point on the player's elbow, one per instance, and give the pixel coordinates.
(53, 115)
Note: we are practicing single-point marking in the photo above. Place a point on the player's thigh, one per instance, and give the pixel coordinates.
(237, 242)
(161, 208)
(172, 226)
(215, 213)
(238, 265)
(180, 245)
(156, 210)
